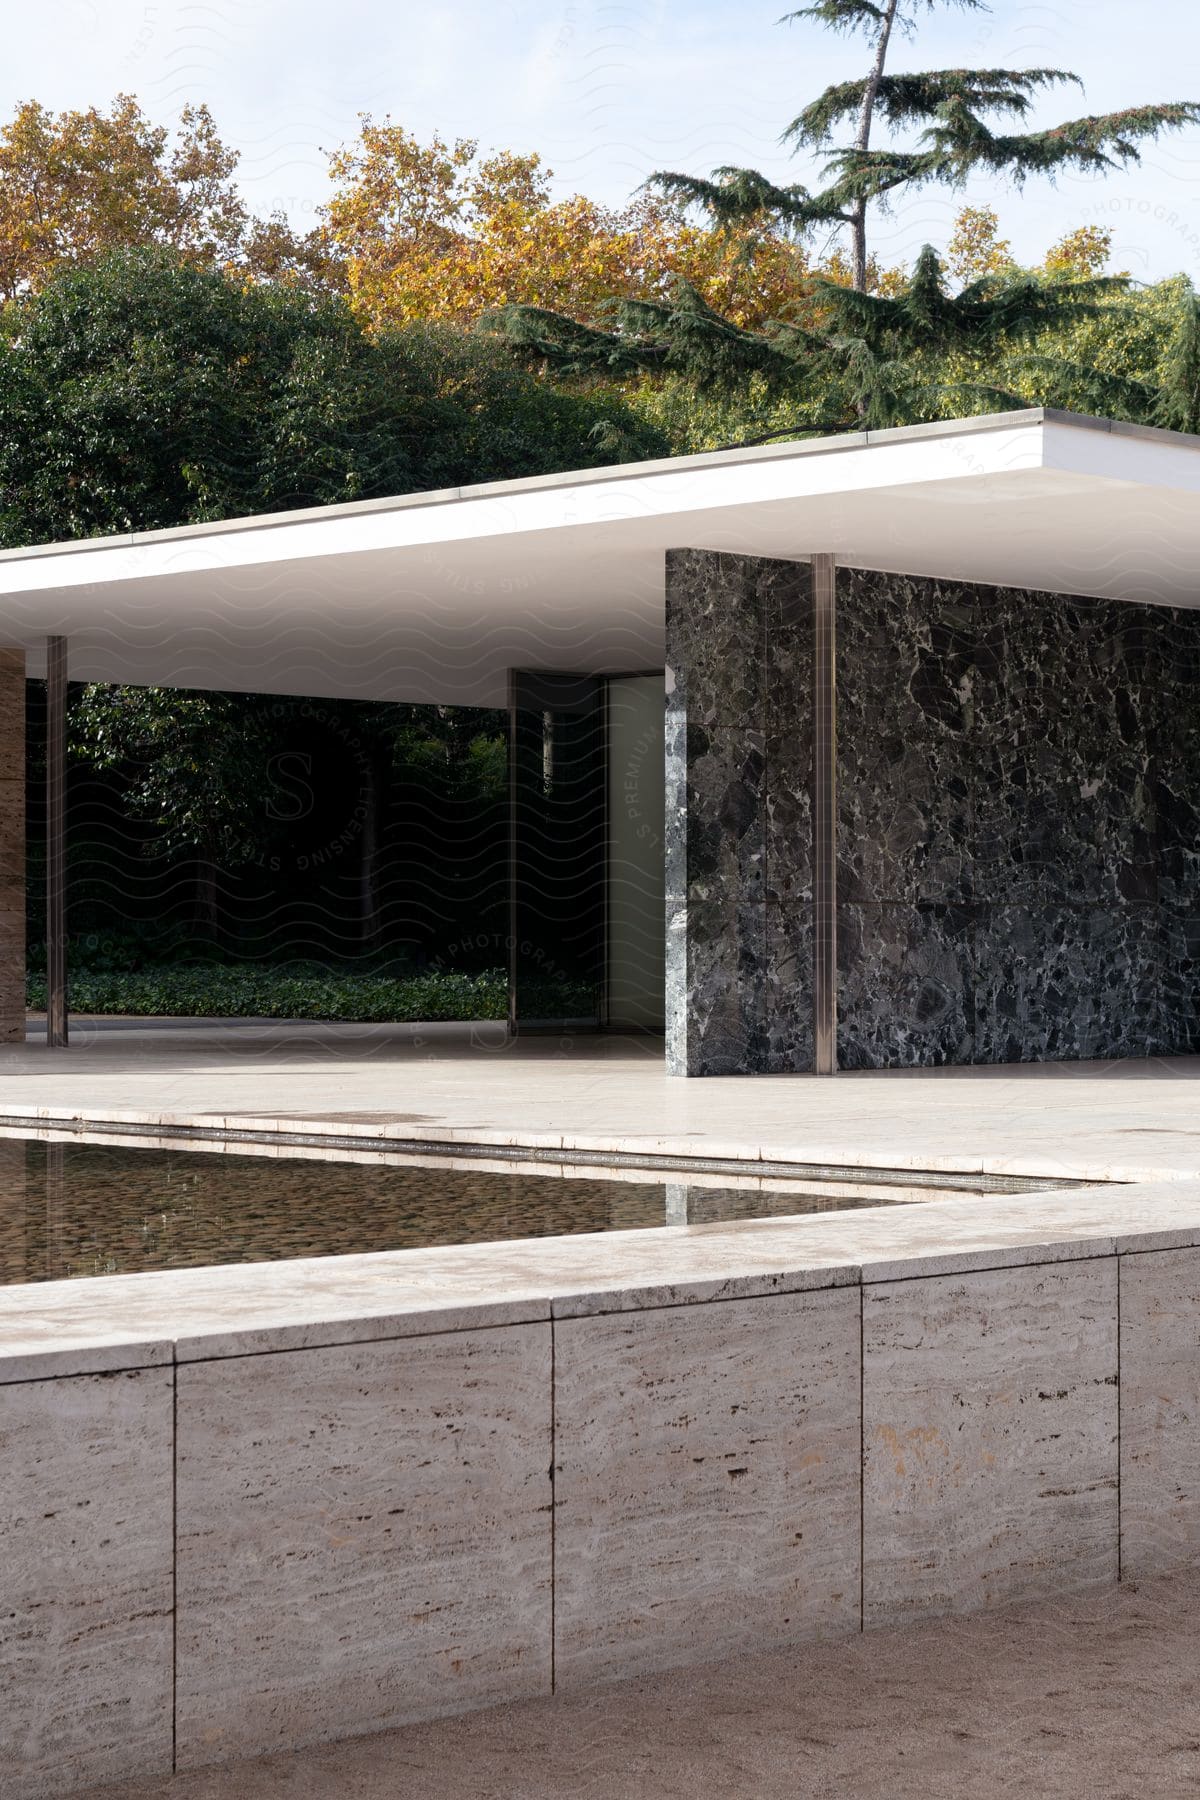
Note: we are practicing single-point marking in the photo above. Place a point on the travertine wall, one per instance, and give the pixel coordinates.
(12, 846)
(1018, 821)
(219, 1553)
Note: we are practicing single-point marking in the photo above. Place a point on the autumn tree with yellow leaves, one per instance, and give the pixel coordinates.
(74, 185)
(435, 231)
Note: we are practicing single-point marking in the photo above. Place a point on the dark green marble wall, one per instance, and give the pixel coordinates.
(1018, 821)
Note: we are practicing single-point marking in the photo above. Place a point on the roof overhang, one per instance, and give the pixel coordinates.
(432, 597)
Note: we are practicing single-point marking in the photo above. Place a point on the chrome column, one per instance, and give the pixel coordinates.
(824, 815)
(56, 844)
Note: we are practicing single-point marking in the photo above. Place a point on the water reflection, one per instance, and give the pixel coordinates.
(80, 1209)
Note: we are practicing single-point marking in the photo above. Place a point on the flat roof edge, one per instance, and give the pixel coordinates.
(732, 456)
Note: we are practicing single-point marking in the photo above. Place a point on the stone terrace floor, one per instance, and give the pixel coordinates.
(1097, 1696)
(1127, 1120)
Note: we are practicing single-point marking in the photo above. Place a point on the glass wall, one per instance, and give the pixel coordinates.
(586, 863)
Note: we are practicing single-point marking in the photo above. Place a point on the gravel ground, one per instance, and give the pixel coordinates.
(1095, 1698)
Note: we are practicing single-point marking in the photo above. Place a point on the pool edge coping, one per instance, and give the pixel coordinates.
(79, 1326)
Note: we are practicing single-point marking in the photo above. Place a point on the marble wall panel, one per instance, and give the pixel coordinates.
(785, 591)
(1179, 981)
(363, 1538)
(725, 992)
(1055, 982)
(989, 1438)
(1160, 1412)
(906, 985)
(1018, 818)
(787, 988)
(739, 752)
(1175, 744)
(706, 1482)
(905, 660)
(85, 1581)
(1065, 695)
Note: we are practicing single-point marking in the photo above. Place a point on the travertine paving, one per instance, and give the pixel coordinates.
(705, 1394)
(1094, 1696)
(1137, 1120)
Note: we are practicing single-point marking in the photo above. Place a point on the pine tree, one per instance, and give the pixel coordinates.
(952, 105)
(843, 355)
(866, 360)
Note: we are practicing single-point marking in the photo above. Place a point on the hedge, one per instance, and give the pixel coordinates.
(221, 991)
(208, 991)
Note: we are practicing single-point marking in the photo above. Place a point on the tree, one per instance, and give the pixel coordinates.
(74, 185)
(433, 231)
(976, 247)
(871, 360)
(141, 392)
(192, 766)
(954, 107)
(1176, 404)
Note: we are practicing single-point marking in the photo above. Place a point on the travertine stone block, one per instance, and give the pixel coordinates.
(989, 1438)
(85, 1582)
(363, 1538)
(1160, 1412)
(707, 1482)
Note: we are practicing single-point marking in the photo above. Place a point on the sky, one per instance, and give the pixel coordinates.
(610, 92)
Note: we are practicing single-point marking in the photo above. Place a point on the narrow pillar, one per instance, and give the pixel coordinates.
(824, 816)
(12, 846)
(56, 843)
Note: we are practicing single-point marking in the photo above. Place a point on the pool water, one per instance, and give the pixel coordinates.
(78, 1209)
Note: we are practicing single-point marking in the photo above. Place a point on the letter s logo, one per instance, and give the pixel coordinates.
(292, 796)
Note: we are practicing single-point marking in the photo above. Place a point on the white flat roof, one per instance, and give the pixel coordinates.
(432, 597)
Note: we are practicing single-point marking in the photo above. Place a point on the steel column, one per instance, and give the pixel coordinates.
(56, 842)
(824, 815)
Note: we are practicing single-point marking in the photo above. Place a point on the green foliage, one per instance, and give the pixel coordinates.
(910, 99)
(502, 423)
(1127, 359)
(956, 108)
(716, 421)
(1177, 404)
(140, 392)
(849, 16)
(192, 990)
(870, 360)
(194, 763)
(445, 751)
(261, 992)
(842, 356)
(196, 766)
